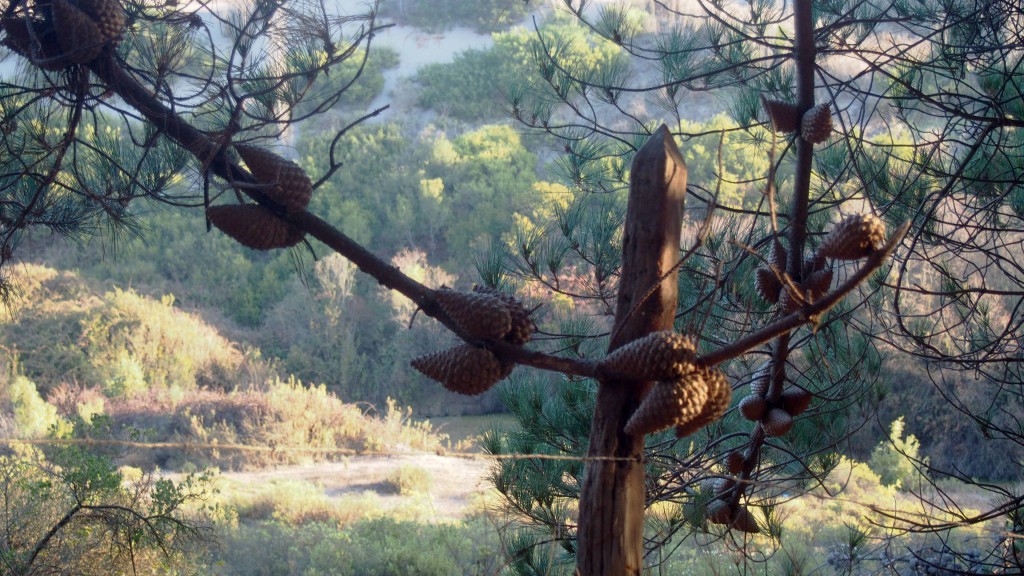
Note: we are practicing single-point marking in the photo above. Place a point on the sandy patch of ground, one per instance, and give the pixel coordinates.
(456, 482)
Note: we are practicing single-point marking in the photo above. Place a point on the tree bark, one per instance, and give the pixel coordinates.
(610, 534)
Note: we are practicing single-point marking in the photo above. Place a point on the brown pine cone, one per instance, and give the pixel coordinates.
(108, 15)
(718, 511)
(767, 285)
(254, 226)
(734, 462)
(779, 256)
(464, 369)
(784, 116)
(753, 407)
(479, 314)
(854, 238)
(795, 401)
(77, 33)
(287, 183)
(745, 521)
(522, 326)
(662, 355)
(818, 283)
(670, 402)
(35, 40)
(777, 422)
(761, 380)
(718, 401)
(816, 125)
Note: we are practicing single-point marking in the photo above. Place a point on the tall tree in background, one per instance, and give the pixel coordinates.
(926, 103)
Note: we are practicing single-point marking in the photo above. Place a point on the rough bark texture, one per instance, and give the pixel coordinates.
(612, 499)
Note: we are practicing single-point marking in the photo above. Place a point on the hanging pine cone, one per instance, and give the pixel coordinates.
(35, 40)
(522, 326)
(662, 355)
(254, 226)
(464, 369)
(108, 15)
(670, 402)
(761, 379)
(479, 314)
(719, 486)
(286, 182)
(795, 401)
(718, 511)
(753, 407)
(854, 238)
(78, 36)
(718, 400)
(767, 285)
(818, 283)
(816, 125)
(780, 256)
(745, 521)
(785, 117)
(777, 422)
(734, 462)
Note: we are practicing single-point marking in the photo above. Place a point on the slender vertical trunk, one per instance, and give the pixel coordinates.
(610, 537)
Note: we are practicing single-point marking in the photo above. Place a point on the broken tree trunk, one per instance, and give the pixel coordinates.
(610, 534)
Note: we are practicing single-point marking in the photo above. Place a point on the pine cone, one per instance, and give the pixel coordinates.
(254, 226)
(777, 422)
(35, 40)
(816, 125)
(818, 283)
(522, 326)
(464, 369)
(734, 462)
(855, 237)
(780, 256)
(287, 183)
(753, 407)
(718, 511)
(784, 116)
(670, 402)
(660, 355)
(108, 15)
(767, 285)
(718, 401)
(745, 521)
(78, 36)
(761, 380)
(719, 486)
(795, 401)
(479, 314)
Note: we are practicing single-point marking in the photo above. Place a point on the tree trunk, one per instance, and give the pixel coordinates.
(610, 535)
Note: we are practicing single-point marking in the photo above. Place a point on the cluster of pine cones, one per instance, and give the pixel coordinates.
(685, 395)
(55, 34)
(484, 314)
(254, 226)
(815, 125)
(855, 237)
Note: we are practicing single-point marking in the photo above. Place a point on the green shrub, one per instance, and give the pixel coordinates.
(474, 84)
(896, 460)
(33, 416)
(408, 479)
(378, 547)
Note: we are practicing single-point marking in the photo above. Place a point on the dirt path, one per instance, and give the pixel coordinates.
(455, 481)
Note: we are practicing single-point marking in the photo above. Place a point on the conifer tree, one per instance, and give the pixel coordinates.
(122, 101)
(895, 112)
